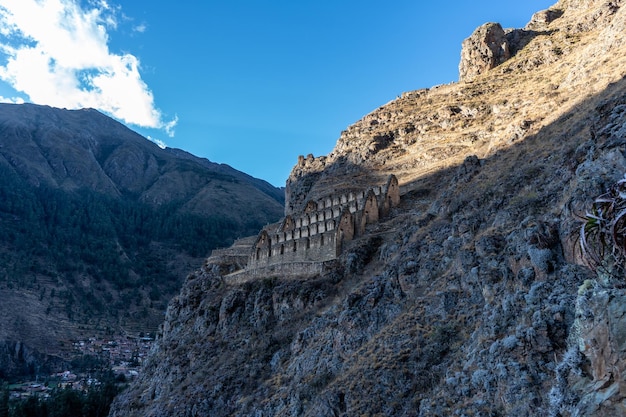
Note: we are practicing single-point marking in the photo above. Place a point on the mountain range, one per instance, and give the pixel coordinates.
(100, 226)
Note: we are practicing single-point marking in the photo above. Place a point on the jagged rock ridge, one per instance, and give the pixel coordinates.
(472, 298)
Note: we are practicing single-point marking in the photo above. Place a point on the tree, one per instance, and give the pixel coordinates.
(4, 400)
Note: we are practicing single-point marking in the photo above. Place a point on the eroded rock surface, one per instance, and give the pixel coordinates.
(485, 49)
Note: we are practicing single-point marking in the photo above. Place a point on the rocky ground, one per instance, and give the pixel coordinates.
(472, 298)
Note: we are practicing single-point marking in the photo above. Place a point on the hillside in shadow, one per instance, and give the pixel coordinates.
(99, 228)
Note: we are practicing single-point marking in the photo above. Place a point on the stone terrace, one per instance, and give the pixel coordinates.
(299, 245)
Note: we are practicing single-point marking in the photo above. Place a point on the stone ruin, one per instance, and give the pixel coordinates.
(300, 244)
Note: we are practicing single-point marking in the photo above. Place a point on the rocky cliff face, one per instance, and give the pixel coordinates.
(472, 298)
(487, 48)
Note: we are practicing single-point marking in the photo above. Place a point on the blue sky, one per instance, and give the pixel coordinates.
(248, 83)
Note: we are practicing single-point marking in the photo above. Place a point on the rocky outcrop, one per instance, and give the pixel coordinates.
(485, 49)
(470, 298)
(542, 19)
(590, 377)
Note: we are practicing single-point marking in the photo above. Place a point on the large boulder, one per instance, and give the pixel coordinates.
(485, 49)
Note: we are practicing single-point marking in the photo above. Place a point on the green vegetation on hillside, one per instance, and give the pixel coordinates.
(603, 234)
(63, 402)
(90, 257)
(108, 237)
(45, 217)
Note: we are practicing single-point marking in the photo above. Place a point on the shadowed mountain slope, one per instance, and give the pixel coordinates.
(100, 225)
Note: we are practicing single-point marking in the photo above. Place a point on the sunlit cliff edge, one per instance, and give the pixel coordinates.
(468, 294)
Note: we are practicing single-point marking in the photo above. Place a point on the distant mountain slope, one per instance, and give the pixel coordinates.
(100, 226)
(85, 149)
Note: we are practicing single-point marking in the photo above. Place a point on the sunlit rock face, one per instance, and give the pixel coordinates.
(485, 49)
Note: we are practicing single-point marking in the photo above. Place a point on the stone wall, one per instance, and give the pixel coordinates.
(286, 270)
(318, 233)
(280, 248)
(235, 257)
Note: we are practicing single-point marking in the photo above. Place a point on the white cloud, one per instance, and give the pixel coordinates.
(56, 52)
(169, 126)
(12, 100)
(141, 28)
(158, 142)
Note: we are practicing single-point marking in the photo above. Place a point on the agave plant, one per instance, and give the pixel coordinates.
(603, 233)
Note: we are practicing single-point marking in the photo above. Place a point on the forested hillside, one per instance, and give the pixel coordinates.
(100, 226)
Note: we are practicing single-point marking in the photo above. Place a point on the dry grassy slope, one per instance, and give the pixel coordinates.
(463, 301)
(567, 61)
